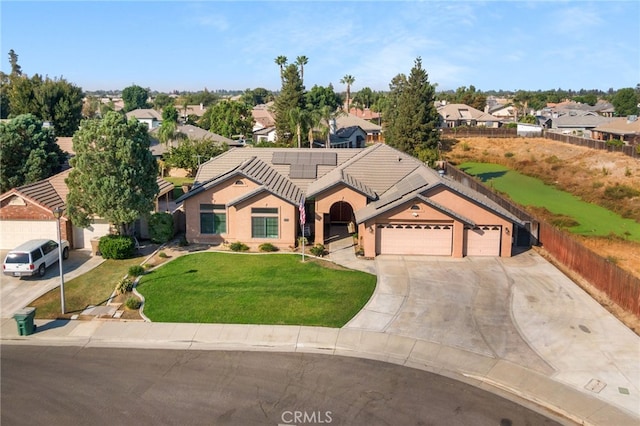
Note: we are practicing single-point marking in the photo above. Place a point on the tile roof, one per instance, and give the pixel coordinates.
(351, 120)
(620, 126)
(192, 132)
(464, 112)
(386, 176)
(142, 113)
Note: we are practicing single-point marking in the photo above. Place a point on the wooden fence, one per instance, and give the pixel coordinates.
(621, 286)
(473, 132)
(631, 151)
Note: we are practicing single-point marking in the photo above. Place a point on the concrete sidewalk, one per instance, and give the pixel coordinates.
(545, 362)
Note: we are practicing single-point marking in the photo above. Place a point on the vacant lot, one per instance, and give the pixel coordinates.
(599, 177)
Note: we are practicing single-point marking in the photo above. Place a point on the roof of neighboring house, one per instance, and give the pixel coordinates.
(192, 132)
(464, 112)
(66, 144)
(620, 126)
(51, 193)
(365, 114)
(264, 131)
(144, 114)
(198, 110)
(351, 120)
(582, 119)
(263, 116)
(289, 173)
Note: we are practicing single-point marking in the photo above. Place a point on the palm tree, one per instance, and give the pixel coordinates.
(348, 80)
(300, 119)
(282, 61)
(327, 115)
(301, 61)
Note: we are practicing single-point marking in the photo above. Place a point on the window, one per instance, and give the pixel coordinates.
(213, 219)
(264, 222)
(49, 246)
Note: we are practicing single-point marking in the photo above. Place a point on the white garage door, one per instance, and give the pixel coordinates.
(423, 239)
(15, 232)
(82, 236)
(482, 240)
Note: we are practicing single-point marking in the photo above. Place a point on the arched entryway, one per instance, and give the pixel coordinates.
(335, 223)
(340, 212)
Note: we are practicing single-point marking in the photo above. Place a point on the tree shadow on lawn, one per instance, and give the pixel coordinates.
(484, 177)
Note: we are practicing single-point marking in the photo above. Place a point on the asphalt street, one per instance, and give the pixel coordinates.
(91, 386)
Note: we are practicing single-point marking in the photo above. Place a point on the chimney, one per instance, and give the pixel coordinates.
(332, 126)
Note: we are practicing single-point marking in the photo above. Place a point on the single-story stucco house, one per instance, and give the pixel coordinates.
(396, 203)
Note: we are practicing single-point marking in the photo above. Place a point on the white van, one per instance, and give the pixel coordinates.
(33, 257)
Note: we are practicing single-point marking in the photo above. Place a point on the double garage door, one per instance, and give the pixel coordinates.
(422, 239)
(15, 232)
(436, 239)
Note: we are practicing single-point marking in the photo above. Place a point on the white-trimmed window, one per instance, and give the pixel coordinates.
(213, 219)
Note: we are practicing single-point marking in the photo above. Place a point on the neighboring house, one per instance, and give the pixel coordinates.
(626, 129)
(150, 117)
(372, 130)
(158, 149)
(454, 115)
(577, 122)
(262, 116)
(399, 205)
(26, 213)
(190, 110)
(267, 134)
(504, 113)
(365, 114)
(344, 137)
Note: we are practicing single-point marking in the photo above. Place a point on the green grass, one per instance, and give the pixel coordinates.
(592, 220)
(92, 288)
(254, 289)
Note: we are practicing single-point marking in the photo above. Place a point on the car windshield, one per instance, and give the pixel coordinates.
(17, 258)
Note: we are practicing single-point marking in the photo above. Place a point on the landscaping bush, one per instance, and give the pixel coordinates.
(117, 247)
(183, 242)
(161, 227)
(268, 247)
(125, 285)
(238, 246)
(133, 303)
(162, 255)
(318, 250)
(136, 270)
(618, 192)
(302, 240)
(615, 142)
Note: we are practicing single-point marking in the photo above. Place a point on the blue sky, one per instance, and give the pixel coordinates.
(183, 45)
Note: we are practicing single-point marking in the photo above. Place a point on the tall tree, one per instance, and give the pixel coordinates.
(282, 62)
(228, 118)
(291, 96)
(348, 80)
(161, 101)
(319, 97)
(257, 96)
(114, 173)
(411, 120)
(28, 151)
(301, 61)
(135, 97)
(191, 153)
(169, 127)
(301, 119)
(60, 102)
(16, 71)
(625, 102)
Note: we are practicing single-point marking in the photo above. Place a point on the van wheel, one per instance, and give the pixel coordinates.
(65, 253)
(42, 270)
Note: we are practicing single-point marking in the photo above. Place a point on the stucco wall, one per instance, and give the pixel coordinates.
(327, 198)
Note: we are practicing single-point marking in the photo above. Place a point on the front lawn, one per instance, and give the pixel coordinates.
(592, 220)
(178, 182)
(254, 289)
(92, 288)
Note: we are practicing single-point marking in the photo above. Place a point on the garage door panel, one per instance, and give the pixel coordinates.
(483, 240)
(413, 239)
(15, 232)
(82, 236)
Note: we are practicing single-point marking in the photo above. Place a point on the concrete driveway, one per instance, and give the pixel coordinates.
(521, 309)
(18, 292)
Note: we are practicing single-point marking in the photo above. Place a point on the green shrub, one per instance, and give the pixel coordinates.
(162, 255)
(125, 285)
(619, 192)
(183, 242)
(117, 247)
(133, 303)
(615, 142)
(466, 147)
(238, 246)
(161, 227)
(508, 154)
(318, 250)
(268, 247)
(136, 270)
(302, 240)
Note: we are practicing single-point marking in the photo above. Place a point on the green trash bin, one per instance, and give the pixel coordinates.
(24, 319)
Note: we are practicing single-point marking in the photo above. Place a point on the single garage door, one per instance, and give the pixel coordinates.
(15, 232)
(82, 236)
(422, 239)
(482, 240)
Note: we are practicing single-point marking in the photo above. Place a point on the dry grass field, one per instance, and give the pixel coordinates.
(593, 175)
